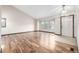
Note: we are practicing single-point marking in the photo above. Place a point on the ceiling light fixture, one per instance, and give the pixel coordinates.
(63, 10)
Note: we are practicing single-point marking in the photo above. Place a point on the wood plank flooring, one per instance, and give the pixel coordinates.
(36, 42)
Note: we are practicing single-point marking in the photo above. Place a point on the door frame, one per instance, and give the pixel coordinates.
(72, 24)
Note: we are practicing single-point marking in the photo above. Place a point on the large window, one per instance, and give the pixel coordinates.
(46, 25)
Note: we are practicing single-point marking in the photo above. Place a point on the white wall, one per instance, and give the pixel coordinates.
(16, 21)
(0, 29)
(0, 22)
(78, 33)
(77, 11)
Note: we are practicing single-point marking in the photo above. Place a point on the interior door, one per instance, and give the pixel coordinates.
(67, 26)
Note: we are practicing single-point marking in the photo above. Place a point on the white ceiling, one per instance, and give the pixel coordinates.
(40, 11)
(37, 11)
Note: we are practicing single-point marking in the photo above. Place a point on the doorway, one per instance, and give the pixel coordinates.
(67, 26)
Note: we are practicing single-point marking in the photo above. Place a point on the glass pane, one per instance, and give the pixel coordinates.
(52, 25)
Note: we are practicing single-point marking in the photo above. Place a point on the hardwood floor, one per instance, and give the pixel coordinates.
(37, 42)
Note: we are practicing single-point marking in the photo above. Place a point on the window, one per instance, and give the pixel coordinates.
(46, 25)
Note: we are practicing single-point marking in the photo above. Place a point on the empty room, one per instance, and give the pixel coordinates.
(39, 28)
